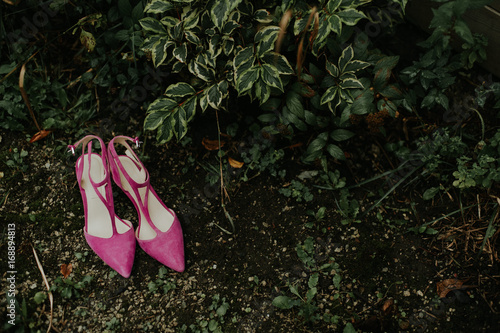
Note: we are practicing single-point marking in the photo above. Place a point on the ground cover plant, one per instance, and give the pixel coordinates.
(333, 167)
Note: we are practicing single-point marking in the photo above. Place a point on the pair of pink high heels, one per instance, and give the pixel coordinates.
(113, 239)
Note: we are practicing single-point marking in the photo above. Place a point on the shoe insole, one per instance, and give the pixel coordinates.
(98, 217)
(160, 217)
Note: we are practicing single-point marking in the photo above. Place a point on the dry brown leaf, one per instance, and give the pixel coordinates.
(212, 144)
(39, 135)
(235, 164)
(445, 286)
(66, 270)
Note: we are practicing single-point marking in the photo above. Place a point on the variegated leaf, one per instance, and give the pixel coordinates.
(279, 61)
(350, 16)
(271, 76)
(247, 79)
(158, 7)
(345, 58)
(214, 96)
(329, 95)
(165, 131)
(180, 52)
(219, 12)
(152, 25)
(179, 89)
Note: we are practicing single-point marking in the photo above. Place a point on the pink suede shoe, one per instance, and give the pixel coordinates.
(111, 238)
(159, 233)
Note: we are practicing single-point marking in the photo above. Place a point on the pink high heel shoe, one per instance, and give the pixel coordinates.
(110, 237)
(159, 233)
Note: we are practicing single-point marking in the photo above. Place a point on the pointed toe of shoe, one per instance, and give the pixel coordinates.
(167, 247)
(118, 251)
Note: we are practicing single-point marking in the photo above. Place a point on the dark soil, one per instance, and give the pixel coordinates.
(389, 276)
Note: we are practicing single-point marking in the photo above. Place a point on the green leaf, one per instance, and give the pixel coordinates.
(159, 52)
(349, 328)
(191, 20)
(350, 16)
(165, 131)
(180, 129)
(271, 76)
(329, 95)
(192, 38)
(158, 7)
(214, 96)
(430, 193)
(332, 69)
(189, 107)
(170, 21)
(230, 26)
(155, 119)
(247, 79)
(313, 280)
(180, 89)
(345, 58)
(228, 46)
(294, 104)
(463, 31)
(341, 134)
(203, 72)
(262, 91)
(283, 302)
(311, 293)
(152, 25)
(279, 61)
(300, 25)
(243, 60)
(355, 65)
(219, 12)
(263, 16)
(40, 297)
(332, 5)
(335, 24)
(180, 52)
(335, 152)
(351, 84)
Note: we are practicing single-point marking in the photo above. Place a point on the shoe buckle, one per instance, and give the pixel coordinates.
(71, 149)
(137, 142)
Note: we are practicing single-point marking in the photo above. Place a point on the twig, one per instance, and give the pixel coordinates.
(51, 298)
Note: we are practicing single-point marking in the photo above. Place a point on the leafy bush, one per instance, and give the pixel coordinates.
(220, 48)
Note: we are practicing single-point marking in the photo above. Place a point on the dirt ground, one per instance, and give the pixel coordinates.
(372, 273)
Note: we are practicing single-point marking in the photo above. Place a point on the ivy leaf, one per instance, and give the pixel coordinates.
(219, 12)
(152, 25)
(180, 52)
(179, 89)
(271, 76)
(350, 16)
